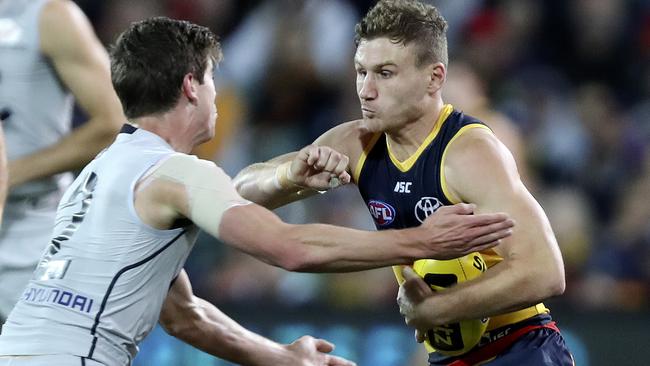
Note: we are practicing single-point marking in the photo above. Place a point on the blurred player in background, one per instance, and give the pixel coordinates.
(412, 155)
(124, 228)
(49, 57)
(4, 177)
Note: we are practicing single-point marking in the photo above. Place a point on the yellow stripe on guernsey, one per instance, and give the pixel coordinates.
(407, 164)
(443, 181)
(364, 155)
(490, 256)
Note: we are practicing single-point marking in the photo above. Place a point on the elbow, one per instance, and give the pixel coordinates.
(549, 285)
(292, 254)
(557, 286)
(294, 261)
(555, 283)
(239, 183)
(184, 325)
(181, 329)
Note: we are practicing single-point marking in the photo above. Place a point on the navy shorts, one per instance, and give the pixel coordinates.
(542, 346)
(539, 347)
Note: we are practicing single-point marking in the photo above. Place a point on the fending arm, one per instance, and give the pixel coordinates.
(268, 184)
(200, 191)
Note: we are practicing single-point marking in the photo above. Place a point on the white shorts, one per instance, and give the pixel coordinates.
(25, 233)
(47, 360)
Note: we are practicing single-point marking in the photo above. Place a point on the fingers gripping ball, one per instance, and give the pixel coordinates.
(456, 338)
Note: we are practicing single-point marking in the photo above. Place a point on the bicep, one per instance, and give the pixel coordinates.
(345, 139)
(179, 297)
(255, 230)
(481, 170)
(202, 192)
(79, 58)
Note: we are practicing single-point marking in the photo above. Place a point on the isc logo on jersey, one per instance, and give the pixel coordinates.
(381, 212)
(403, 187)
(456, 338)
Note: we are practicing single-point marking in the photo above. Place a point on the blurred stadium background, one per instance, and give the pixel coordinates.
(566, 84)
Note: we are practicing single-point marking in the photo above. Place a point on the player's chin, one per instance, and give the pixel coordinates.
(207, 136)
(372, 124)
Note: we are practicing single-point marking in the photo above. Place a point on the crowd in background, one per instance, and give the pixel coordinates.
(565, 84)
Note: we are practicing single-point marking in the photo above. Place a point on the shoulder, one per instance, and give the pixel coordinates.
(63, 25)
(187, 169)
(348, 138)
(476, 147)
(60, 14)
(475, 156)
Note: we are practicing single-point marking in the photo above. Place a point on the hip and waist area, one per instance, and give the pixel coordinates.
(68, 342)
(497, 341)
(48, 360)
(518, 316)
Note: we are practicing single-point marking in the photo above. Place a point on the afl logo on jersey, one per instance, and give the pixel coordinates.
(425, 207)
(382, 212)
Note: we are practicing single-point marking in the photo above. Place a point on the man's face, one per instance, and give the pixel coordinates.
(207, 101)
(391, 88)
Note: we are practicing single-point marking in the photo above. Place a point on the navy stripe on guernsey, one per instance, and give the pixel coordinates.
(114, 280)
(402, 194)
(128, 129)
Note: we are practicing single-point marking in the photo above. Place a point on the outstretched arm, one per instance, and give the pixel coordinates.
(481, 170)
(297, 175)
(204, 326)
(184, 186)
(81, 62)
(293, 176)
(327, 248)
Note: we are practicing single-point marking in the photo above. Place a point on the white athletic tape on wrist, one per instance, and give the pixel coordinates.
(281, 180)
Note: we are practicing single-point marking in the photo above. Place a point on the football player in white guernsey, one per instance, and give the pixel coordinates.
(49, 57)
(114, 266)
(4, 179)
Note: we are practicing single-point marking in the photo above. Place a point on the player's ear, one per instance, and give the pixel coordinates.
(438, 74)
(189, 88)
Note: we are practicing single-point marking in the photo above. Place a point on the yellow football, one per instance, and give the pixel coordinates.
(456, 338)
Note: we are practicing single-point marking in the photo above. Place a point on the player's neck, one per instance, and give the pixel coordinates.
(169, 127)
(405, 141)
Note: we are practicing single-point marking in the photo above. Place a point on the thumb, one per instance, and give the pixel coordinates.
(345, 178)
(463, 208)
(323, 345)
(409, 274)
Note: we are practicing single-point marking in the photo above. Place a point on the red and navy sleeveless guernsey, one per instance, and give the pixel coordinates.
(401, 194)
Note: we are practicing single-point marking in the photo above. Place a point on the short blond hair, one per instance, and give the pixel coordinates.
(406, 22)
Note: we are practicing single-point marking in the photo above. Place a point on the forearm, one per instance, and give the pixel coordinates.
(500, 294)
(326, 248)
(71, 153)
(219, 335)
(524, 277)
(261, 184)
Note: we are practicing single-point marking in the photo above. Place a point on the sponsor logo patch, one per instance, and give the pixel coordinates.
(426, 206)
(381, 212)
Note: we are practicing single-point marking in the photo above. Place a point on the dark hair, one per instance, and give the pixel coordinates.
(150, 59)
(405, 22)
